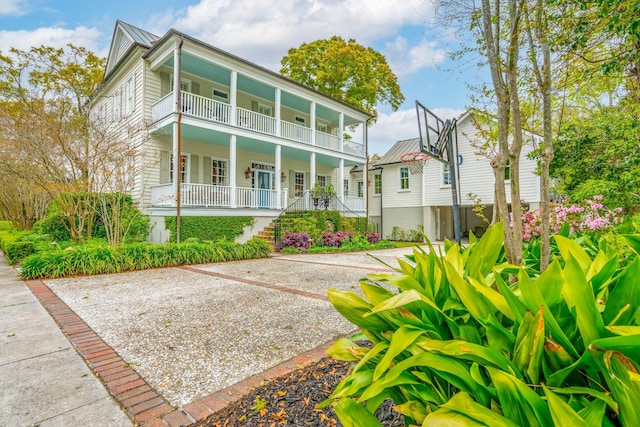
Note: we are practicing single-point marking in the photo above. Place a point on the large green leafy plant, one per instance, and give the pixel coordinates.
(459, 344)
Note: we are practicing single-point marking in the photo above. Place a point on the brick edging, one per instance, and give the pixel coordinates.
(134, 395)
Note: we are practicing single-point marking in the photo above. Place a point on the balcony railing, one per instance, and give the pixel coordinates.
(209, 109)
(218, 196)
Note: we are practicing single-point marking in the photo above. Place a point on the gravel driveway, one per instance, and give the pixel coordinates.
(195, 330)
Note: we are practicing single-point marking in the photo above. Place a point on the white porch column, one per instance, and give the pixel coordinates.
(175, 130)
(312, 170)
(278, 106)
(233, 96)
(341, 130)
(340, 183)
(312, 119)
(233, 159)
(277, 177)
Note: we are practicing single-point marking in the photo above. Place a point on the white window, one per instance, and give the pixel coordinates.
(403, 176)
(346, 187)
(322, 127)
(360, 188)
(219, 169)
(184, 167)
(298, 183)
(446, 176)
(377, 184)
(322, 180)
(302, 121)
(116, 104)
(265, 109)
(128, 96)
(507, 172)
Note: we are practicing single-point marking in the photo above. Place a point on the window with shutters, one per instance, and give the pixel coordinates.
(184, 167)
(219, 169)
(116, 103)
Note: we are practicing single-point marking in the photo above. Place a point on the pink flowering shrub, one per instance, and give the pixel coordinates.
(591, 217)
(300, 241)
(336, 239)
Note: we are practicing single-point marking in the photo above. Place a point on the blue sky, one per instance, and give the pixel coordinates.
(405, 31)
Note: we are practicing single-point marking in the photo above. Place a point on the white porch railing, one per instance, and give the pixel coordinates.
(296, 132)
(209, 109)
(356, 204)
(204, 195)
(328, 141)
(162, 108)
(255, 121)
(353, 148)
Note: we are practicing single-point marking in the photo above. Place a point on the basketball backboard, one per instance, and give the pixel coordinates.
(434, 133)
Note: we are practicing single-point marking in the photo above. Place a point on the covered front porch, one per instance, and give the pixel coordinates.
(226, 197)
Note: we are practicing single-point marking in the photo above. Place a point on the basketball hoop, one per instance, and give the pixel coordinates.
(415, 161)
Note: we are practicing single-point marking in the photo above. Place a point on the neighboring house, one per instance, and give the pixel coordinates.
(251, 141)
(411, 201)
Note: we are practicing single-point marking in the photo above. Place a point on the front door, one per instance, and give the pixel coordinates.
(264, 185)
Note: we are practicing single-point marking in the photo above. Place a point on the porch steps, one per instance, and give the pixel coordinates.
(267, 234)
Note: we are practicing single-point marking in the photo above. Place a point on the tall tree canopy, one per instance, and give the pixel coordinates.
(345, 70)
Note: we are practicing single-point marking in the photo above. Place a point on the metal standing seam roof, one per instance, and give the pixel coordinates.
(398, 149)
(139, 35)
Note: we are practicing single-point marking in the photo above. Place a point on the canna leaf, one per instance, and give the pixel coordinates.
(353, 308)
(413, 409)
(352, 414)
(625, 291)
(402, 338)
(484, 254)
(568, 247)
(448, 418)
(561, 412)
(529, 346)
(464, 404)
(581, 300)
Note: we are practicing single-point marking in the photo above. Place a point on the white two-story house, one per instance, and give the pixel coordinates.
(398, 198)
(250, 141)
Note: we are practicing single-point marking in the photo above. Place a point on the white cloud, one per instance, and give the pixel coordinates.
(404, 59)
(13, 7)
(263, 31)
(399, 125)
(90, 38)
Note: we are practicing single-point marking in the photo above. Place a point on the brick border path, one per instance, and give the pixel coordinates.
(144, 405)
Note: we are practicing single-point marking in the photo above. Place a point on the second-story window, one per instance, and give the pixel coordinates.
(265, 109)
(377, 184)
(298, 184)
(128, 96)
(218, 172)
(346, 187)
(404, 178)
(184, 168)
(117, 104)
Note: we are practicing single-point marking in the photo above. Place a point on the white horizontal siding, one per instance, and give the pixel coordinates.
(392, 196)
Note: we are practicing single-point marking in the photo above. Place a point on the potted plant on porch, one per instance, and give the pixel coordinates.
(316, 192)
(327, 193)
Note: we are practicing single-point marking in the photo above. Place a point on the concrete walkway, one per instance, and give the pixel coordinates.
(43, 380)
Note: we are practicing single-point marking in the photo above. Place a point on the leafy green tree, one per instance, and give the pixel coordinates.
(345, 70)
(600, 155)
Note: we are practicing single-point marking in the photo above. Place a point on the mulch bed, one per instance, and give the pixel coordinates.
(291, 400)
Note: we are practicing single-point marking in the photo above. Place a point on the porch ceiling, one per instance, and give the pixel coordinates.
(199, 67)
(199, 134)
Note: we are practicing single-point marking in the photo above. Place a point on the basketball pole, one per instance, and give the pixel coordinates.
(453, 166)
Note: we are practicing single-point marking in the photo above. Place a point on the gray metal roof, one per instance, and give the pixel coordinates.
(140, 36)
(398, 149)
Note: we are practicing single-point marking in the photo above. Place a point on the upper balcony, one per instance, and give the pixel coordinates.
(220, 112)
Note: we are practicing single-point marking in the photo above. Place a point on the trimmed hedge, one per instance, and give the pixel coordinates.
(16, 251)
(208, 227)
(139, 256)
